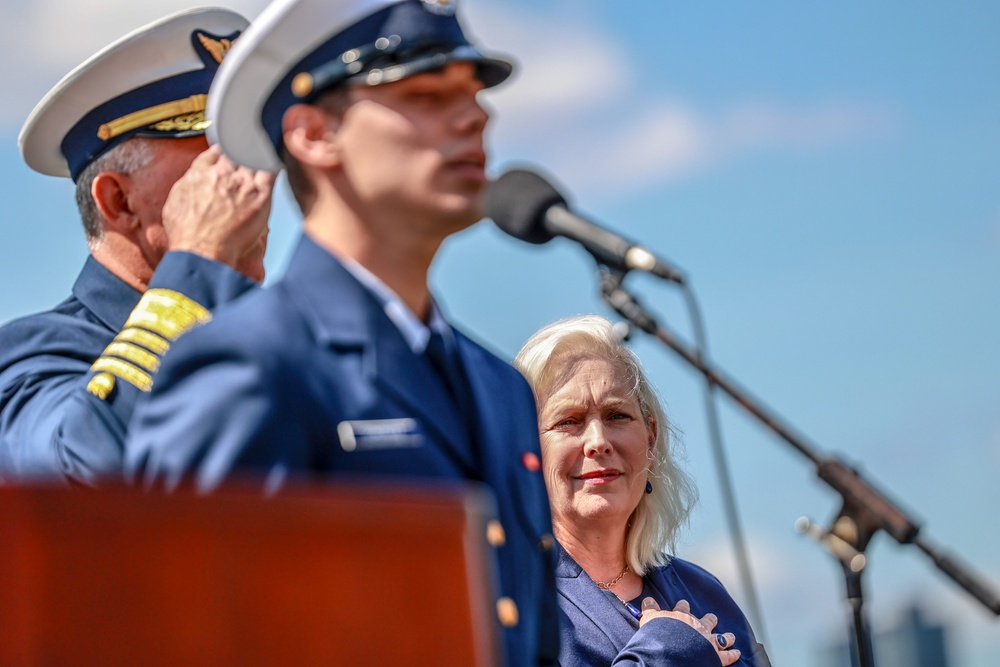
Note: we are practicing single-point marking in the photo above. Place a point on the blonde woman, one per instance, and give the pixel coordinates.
(618, 499)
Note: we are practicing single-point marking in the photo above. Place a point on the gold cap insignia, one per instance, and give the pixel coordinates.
(217, 48)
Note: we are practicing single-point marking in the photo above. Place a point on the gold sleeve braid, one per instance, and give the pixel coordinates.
(160, 317)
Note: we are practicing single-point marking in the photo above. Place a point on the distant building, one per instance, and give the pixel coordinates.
(912, 642)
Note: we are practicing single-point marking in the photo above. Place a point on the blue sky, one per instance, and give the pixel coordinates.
(826, 174)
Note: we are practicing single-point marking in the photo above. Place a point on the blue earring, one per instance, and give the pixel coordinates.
(649, 486)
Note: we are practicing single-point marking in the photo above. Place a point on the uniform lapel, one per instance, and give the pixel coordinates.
(343, 314)
(333, 304)
(505, 427)
(489, 424)
(413, 381)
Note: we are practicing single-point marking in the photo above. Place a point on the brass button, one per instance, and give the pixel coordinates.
(507, 612)
(302, 84)
(495, 534)
(546, 542)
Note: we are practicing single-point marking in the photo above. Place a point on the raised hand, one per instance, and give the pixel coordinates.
(219, 210)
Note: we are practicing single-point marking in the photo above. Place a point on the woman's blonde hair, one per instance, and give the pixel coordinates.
(655, 524)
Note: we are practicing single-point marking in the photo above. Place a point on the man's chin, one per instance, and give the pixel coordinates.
(463, 219)
(468, 207)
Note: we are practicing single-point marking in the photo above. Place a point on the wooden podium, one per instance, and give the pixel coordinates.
(335, 575)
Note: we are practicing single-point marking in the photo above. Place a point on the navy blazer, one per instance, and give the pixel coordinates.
(50, 424)
(309, 376)
(594, 631)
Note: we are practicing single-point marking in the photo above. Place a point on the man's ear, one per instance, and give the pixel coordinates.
(310, 135)
(110, 191)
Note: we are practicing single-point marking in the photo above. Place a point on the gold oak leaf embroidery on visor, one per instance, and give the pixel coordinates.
(182, 115)
(192, 122)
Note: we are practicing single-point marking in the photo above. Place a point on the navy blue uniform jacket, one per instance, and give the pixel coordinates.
(50, 424)
(594, 631)
(309, 376)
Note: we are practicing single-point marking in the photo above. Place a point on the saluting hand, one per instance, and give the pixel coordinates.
(705, 625)
(219, 210)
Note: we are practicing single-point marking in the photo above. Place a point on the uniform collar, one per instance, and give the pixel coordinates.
(414, 331)
(106, 295)
(343, 313)
(339, 306)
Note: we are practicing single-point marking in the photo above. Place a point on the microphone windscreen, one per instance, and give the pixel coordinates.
(517, 203)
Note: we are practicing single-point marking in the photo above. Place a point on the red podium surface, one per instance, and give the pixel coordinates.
(337, 575)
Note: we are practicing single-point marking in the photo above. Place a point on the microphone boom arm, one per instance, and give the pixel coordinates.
(864, 508)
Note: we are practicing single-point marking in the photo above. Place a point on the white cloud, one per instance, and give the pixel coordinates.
(610, 150)
(763, 124)
(575, 106)
(42, 40)
(773, 568)
(778, 574)
(578, 109)
(658, 144)
(573, 68)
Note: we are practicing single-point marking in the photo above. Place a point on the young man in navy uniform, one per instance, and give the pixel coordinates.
(128, 127)
(346, 365)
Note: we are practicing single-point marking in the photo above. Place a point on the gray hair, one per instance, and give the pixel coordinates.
(125, 158)
(655, 524)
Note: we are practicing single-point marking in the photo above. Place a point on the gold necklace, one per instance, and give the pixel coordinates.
(606, 586)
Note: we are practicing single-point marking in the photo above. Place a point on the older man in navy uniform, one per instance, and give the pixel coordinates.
(128, 127)
(346, 366)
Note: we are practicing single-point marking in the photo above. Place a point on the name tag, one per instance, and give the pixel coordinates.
(369, 434)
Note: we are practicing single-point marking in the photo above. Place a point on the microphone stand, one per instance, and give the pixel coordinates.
(864, 511)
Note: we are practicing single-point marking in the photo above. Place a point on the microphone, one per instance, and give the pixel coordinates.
(526, 206)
